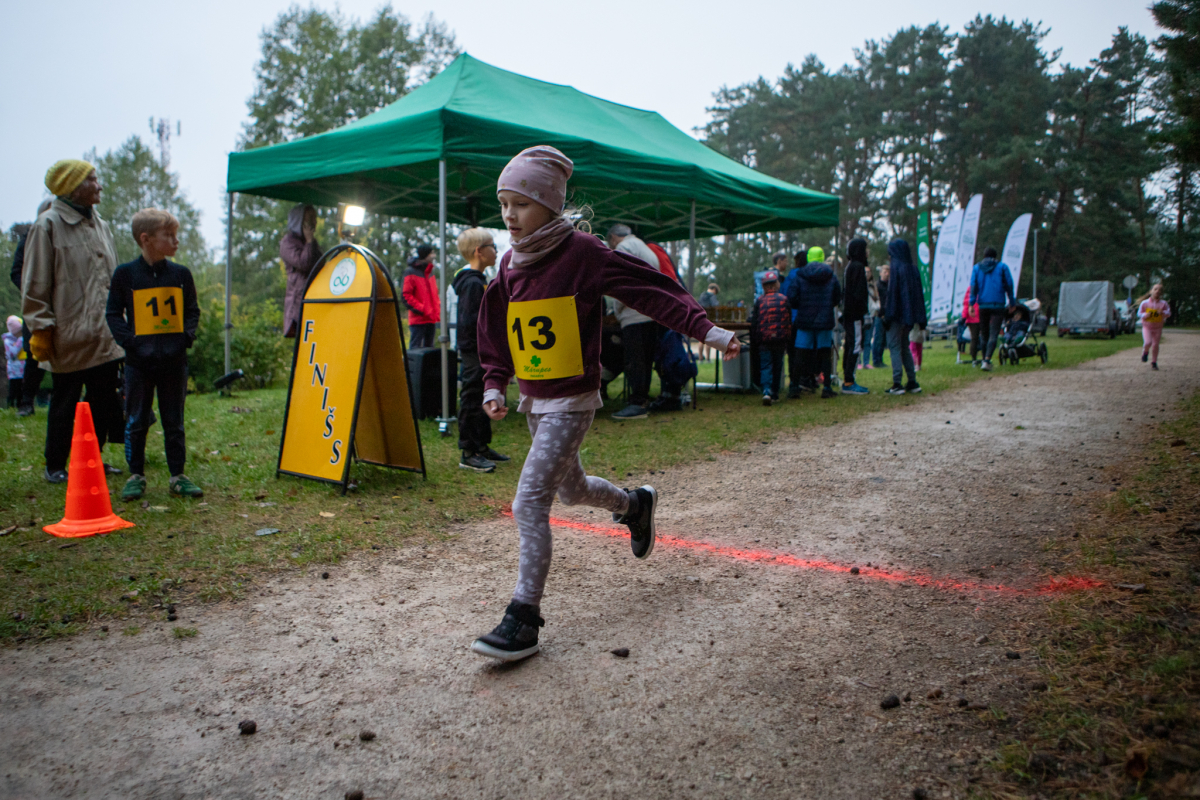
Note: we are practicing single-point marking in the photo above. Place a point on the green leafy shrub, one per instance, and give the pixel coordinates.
(258, 344)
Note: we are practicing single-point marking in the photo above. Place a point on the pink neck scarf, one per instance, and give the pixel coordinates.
(535, 246)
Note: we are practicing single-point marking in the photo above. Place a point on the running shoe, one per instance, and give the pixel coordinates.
(182, 486)
(827, 393)
(1145, 357)
(855, 388)
(987, 366)
(476, 462)
(632, 411)
(135, 487)
(896, 389)
(492, 455)
(913, 388)
(767, 400)
(515, 638)
(640, 519)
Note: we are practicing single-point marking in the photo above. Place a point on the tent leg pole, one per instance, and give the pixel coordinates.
(229, 286)
(692, 251)
(444, 420)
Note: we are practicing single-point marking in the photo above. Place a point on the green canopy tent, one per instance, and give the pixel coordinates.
(436, 152)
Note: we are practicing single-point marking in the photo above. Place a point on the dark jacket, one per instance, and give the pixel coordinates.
(19, 261)
(469, 286)
(420, 293)
(126, 309)
(814, 292)
(856, 281)
(905, 298)
(992, 284)
(771, 319)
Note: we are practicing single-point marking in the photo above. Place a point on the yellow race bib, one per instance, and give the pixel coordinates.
(1153, 315)
(157, 311)
(543, 337)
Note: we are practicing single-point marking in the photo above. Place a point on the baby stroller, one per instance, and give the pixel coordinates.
(1020, 337)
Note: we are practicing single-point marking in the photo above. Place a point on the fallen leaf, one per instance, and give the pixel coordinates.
(328, 514)
(8, 530)
(26, 469)
(1136, 765)
(266, 531)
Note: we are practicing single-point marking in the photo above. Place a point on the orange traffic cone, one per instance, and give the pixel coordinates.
(89, 511)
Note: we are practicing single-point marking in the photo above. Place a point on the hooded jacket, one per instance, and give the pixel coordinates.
(970, 313)
(856, 281)
(992, 284)
(469, 286)
(905, 301)
(814, 293)
(419, 290)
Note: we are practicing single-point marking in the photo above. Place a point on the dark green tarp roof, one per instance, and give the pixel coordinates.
(630, 165)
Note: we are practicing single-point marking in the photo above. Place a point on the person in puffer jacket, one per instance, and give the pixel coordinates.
(420, 292)
(815, 294)
(992, 289)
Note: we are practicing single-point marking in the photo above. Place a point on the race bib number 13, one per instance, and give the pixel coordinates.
(543, 337)
(158, 310)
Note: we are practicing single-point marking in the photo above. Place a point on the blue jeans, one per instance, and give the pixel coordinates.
(897, 340)
(771, 360)
(877, 341)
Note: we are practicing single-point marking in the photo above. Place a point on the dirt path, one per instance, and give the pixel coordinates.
(745, 678)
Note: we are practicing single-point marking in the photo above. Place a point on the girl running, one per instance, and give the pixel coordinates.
(1153, 312)
(541, 321)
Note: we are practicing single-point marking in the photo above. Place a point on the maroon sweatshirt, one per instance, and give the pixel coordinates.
(583, 267)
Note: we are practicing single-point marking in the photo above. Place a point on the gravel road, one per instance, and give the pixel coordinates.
(747, 675)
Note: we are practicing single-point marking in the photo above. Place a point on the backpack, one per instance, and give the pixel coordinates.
(676, 362)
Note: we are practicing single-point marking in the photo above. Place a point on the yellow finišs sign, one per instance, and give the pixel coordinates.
(543, 337)
(157, 310)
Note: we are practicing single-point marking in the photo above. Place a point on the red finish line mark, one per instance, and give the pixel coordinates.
(1052, 586)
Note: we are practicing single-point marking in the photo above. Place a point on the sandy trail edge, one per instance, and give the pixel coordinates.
(744, 679)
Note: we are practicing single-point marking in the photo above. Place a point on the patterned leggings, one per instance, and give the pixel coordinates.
(553, 466)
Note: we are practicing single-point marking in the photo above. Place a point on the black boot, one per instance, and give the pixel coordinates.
(516, 637)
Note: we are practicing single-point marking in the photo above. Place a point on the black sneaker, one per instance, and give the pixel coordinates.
(109, 469)
(515, 638)
(896, 389)
(827, 393)
(25, 411)
(666, 402)
(476, 462)
(1145, 357)
(1154, 365)
(913, 388)
(57, 476)
(492, 455)
(793, 394)
(632, 411)
(640, 519)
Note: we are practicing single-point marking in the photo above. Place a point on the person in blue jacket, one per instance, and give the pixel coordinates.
(992, 287)
(815, 294)
(903, 308)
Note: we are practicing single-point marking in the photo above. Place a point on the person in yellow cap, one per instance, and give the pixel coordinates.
(70, 257)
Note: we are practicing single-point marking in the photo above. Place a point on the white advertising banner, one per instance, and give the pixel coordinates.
(966, 252)
(944, 265)
(1014, 248)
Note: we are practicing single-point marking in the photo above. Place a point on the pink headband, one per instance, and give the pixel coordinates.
(540, 173)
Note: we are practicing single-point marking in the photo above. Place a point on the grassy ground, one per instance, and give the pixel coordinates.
(189, 550)
(1120, 715)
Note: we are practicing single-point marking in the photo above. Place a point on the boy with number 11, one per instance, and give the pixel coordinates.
(153, 314)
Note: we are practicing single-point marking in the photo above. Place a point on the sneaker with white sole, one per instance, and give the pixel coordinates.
(896, 389)
(987, 365)
(515, 638)
(640, 519)
(135, 487)
(855, 388)
(476, 462)
(766, 401)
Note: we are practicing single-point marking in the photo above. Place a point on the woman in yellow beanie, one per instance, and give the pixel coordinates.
(66, 175)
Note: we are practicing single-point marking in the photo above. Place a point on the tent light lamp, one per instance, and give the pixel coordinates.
(353, 216)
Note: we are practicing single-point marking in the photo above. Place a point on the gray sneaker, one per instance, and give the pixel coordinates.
(632, 411)
(477, 463)
(57, 476)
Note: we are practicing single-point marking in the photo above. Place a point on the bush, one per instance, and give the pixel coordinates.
(258, 344)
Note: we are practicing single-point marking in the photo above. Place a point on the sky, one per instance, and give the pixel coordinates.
(83, 75)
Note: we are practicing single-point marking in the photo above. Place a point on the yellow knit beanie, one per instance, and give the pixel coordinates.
(66, 175)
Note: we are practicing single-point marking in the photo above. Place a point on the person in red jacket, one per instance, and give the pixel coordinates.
(420, 292)
(971, 317)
